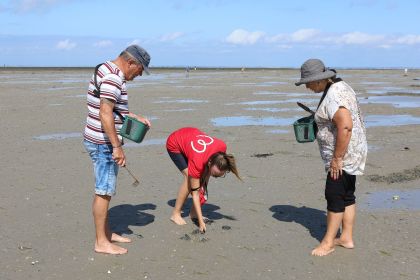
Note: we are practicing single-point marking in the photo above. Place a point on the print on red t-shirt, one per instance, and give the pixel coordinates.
(196, 146)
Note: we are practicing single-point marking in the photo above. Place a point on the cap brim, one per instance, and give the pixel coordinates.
(146, 70)
(317, 77)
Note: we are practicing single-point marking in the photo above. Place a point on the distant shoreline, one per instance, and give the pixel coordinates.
(70, 68)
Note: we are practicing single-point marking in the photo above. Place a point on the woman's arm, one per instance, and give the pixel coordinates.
(343, 122)
(195, 193)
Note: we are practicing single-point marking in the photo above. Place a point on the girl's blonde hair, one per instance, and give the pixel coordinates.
(225, 162)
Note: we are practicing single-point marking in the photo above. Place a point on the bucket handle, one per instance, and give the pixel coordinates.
(306, 108)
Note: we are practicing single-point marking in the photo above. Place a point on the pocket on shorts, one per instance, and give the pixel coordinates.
(92, 149)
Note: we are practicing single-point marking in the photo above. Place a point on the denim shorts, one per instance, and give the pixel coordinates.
(105, 168)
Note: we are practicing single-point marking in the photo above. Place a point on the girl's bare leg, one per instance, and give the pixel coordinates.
(180, 200)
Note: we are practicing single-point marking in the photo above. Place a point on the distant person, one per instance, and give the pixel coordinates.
(342, 142)
(101, 138)
(198, 156)
(187, 72)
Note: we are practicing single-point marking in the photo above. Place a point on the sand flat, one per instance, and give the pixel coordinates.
(264, 228)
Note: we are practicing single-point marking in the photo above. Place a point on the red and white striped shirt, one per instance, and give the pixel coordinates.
(112, 84)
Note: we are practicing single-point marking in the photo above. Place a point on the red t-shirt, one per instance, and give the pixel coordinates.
(196, 146)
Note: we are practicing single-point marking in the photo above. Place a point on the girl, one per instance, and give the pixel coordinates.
(198, 156)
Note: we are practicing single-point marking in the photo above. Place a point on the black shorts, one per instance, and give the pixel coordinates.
(179, 159)
(340, 193)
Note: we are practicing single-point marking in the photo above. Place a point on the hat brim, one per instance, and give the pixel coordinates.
(317, 77)
(146, 70)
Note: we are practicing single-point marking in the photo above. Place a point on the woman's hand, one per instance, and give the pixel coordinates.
(336, 168)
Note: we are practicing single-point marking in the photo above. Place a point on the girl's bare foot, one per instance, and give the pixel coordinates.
(322, 250)
(177, 219)
(109, 248)
(344, 243)
(118, 238)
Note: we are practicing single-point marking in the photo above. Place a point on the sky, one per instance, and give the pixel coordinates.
(212, 33)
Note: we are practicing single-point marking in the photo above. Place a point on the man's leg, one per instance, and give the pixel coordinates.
(100, 215)
(327, 244)
(182, 196)
(346, 237)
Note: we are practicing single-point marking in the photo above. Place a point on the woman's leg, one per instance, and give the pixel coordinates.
(346, 237)
(327, 244)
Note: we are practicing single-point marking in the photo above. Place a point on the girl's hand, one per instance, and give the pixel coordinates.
(202, 227)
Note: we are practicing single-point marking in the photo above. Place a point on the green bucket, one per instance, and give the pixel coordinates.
(305, 129)
(133, 129)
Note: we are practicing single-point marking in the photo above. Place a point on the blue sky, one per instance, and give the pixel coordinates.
(221, 33)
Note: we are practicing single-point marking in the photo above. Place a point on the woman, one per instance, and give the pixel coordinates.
(198, 156)
(342, 142)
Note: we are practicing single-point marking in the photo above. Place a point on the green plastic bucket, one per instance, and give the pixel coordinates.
(133, 129)
(305, 129)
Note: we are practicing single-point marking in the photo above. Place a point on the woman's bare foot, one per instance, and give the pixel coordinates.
(322, 250)
(118, 238)
(109, 248)
(177, 219)
(344, 243)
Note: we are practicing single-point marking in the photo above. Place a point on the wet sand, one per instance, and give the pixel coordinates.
(264, 228)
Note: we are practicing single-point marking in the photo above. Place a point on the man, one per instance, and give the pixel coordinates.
(106, 99)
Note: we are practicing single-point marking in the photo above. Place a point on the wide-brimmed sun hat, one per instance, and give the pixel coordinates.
(314, 70)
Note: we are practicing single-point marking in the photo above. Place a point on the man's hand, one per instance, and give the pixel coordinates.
(141, 119)
(118, 156)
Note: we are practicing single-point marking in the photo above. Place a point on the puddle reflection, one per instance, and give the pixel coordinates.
(182, 101)
(396, 101)
(393, 199)
(58, 136)
(390, 120)
(147, 142)
(278, 131)
(249, 120)
(272, 109)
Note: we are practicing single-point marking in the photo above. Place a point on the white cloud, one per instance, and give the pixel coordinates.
(66, 45)
(103, 43)
(171, 36)
(27, 6)
(359, 38)
(243, 37)
(408, 40)
(134, 42)
(319, 38)
(304, 35)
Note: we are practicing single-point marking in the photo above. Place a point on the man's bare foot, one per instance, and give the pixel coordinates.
(344, 243)
(322, 250)
(118, 238)
(109, 248)
(177, 219)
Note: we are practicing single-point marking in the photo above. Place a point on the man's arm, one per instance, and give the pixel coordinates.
(107, 119)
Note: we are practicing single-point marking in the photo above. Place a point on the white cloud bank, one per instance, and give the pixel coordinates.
(27, 6)
(314, 36)
(103, 44)
(171, 36)
(243, 37)
(66, 45)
